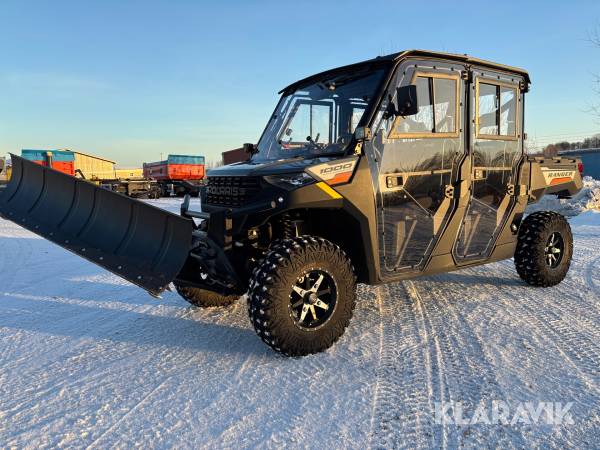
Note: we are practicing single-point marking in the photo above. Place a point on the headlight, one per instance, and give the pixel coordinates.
(290, 181)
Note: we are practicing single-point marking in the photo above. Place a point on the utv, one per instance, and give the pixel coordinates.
(405, 165)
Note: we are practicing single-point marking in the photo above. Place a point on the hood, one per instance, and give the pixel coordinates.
(282, 166)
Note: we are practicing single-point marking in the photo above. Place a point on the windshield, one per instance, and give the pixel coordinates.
(319, 119)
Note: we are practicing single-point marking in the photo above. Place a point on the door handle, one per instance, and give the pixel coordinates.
(394, 181)
(479, 174)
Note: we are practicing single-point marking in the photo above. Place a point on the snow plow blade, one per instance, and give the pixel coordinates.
(136, 241)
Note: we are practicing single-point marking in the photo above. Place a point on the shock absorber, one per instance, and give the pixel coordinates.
(288, 226)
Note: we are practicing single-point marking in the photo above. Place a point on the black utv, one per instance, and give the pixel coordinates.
(400, 166)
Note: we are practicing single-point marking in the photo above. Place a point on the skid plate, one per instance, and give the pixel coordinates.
(136, 241)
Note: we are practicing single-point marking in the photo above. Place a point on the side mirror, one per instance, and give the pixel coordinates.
(406, 99)
(362, 134)
(249, 148)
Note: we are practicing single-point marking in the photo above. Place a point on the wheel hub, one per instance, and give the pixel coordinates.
(554, 250)
(312, 299)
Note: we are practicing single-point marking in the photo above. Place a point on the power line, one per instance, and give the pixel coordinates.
(585, 133)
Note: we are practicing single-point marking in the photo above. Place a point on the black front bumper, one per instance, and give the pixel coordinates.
(210, 264)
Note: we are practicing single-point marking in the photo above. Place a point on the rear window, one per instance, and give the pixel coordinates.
(496, 110)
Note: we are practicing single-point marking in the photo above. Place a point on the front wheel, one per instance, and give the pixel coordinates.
(544, 249)
(302, 295)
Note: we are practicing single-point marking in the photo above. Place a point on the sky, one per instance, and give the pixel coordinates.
(135, 80)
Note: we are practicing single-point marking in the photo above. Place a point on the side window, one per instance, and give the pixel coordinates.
(496, 111)
(437, 97)
(357, 113)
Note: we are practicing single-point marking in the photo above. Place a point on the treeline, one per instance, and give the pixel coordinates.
(553, 149)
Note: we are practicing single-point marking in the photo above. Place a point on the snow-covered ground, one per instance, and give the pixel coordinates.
(586, 199)
(88, 360)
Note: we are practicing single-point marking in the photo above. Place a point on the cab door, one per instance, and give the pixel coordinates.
(416, 157)
(496, 149)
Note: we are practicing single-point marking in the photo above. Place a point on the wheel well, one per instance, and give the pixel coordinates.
(339, 227)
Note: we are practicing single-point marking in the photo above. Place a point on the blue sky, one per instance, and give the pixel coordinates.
(130, 80)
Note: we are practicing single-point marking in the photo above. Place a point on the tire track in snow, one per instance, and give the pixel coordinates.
(574, 335)
(377, 388)
(402, 416)
(591, 268)
(310, 395)
(128, 413)
(545, 324)
(434, 346)
(466, 371)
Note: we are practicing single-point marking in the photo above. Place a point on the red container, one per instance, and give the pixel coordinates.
(186, 171)
(175, 172)
(67, 167)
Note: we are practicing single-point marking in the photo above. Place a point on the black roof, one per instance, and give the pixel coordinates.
(395, 57)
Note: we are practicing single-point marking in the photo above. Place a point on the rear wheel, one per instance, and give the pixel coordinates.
(544, 249)
(204, 298)
(302, 295)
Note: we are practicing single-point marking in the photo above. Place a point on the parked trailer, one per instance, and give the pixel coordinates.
(61, 160)
(177, 175)
(96, 170)
(134, 188)
(72, 163)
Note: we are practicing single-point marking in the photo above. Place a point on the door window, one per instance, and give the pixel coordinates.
(437, 97)
(496, 110)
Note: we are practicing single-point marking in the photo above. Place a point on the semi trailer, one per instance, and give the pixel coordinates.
(99, 171)
(392, 168)
(177, 175)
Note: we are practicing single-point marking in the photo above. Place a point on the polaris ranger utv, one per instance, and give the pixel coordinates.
(400, 166)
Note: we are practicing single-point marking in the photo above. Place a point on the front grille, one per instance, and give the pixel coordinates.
(231, 191)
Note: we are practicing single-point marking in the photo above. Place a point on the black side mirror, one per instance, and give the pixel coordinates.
(406, 99)
(249, 148)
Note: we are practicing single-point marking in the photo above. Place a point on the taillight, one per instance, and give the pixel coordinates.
(580, 168)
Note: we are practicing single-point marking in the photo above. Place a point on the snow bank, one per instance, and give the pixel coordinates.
(586, 221)
(587, 199)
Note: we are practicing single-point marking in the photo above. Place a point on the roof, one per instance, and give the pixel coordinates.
(396, 57)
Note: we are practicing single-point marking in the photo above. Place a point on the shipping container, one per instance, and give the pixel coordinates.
(177, 175)
(63, 161)
(73, 163)
(176, 168)
(590, 158)
(235, 155)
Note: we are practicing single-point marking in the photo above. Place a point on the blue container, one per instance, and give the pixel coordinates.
(185, 159)
(42, 155)
(591, 164)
